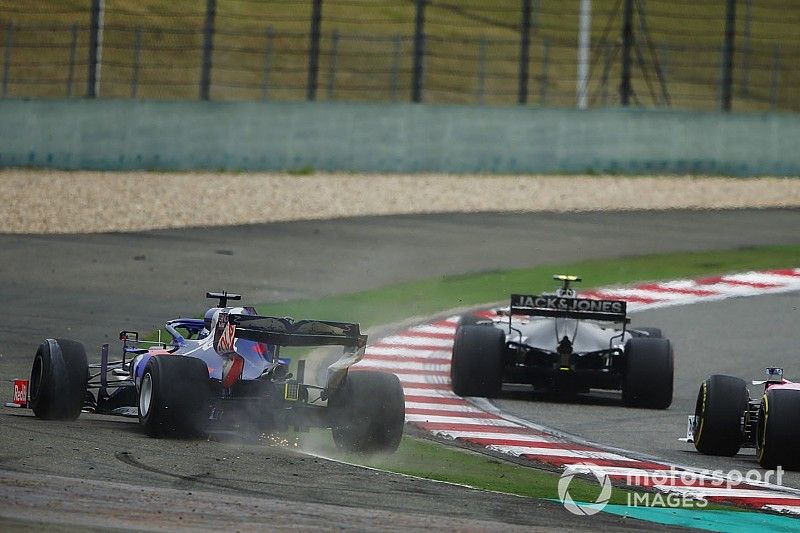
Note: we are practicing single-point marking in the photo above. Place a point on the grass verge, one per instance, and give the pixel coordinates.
(420, 298)
(430, 460)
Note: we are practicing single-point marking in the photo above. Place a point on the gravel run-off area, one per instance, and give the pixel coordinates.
(45, 201)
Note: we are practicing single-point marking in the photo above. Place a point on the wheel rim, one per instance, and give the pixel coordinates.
(761, 429)
(145, 394)
(700, 412)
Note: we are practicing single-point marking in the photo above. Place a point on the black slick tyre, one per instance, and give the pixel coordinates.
(648, 375)
(648, 332)
(476, 368)
(173, 396)
(721, 403)
(469, 319)
(58, 381)
(367, 413)
(778, 430)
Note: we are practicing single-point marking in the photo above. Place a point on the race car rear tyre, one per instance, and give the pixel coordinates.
(477, 365)
(469, 319)
(721, 403)
(647, 381)
(778, 430)
(174, 396)
(368, 412)
(649, 333)
(58, 379)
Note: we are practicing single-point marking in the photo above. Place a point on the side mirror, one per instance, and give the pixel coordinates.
(774, 374)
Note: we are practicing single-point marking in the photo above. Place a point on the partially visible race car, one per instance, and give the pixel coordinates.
(223, 371)
(727, 419)
(565, 344)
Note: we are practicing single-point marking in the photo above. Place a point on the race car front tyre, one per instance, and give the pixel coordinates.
(648, 375)
(174, 396)
(58, 379)
(368, 412)
(721, 403)
(477, 365)
(778, 430)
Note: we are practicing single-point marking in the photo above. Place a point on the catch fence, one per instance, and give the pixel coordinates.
(718, 54)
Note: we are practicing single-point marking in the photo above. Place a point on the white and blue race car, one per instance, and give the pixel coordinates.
(223, 371)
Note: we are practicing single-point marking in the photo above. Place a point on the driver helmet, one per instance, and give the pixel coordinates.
(209, 317)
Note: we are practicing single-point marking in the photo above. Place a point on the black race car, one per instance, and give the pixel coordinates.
(565, 344)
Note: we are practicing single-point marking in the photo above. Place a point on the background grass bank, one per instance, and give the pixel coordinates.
(421, 298)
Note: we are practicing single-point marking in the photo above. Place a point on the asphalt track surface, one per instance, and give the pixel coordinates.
(88, 287)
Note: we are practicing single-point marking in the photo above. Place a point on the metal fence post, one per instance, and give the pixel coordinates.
(395, 68)
(313, 50)
(95, 49)
(419, 51)
(524, 52)
(720, 75)
(584, 45)
(73, 46)
(545, 62)
(746, 47)
(269, 36)
(332, 64)
(137, 58)
(604, 80)
(775, 78)
(625, 88)
(727, 63)
(7, 57)
(482, 46)
(208, 49)
(664, 60)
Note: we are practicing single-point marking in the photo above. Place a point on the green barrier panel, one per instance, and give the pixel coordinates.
(184, 135)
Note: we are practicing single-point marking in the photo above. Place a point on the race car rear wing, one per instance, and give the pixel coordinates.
(561, 307)
(288, 332)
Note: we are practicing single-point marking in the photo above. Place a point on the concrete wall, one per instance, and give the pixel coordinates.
(127, 134)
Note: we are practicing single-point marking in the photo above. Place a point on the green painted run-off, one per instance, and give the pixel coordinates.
(711, 520)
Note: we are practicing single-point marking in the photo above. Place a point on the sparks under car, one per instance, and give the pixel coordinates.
(220, 372)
